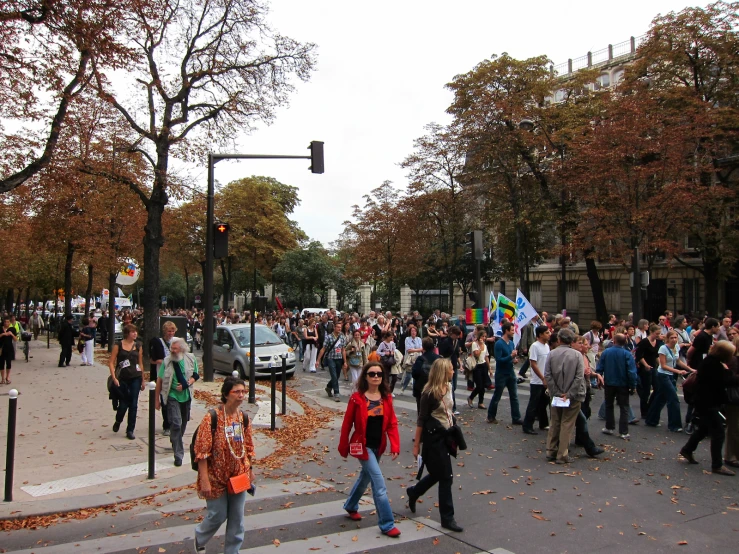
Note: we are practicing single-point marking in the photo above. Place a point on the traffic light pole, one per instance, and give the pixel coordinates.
(316, 157)
(208, 280)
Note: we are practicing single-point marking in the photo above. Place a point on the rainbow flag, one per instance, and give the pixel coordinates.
(506, 307)
(477, 316)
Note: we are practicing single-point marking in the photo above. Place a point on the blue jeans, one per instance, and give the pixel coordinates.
(505, 379)
(130, 403)
(229, 508)
(665, 394)
(334, 370)
(371, 472)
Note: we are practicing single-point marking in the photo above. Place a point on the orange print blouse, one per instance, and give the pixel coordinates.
(222, 465)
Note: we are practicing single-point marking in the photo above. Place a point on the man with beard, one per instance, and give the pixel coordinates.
(175, 379)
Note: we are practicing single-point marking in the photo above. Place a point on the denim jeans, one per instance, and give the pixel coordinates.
(229, 508)
(454, 389)
(178, 414)
(130, 403)
(478, 377)
(406, 380)
(666, 394)
(371, 473)
(505, 379)
(334, 370)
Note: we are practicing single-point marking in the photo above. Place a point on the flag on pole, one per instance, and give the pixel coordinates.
(525, 312)
(492, 304)
(506, 307)
(477, 316)
(279, 304)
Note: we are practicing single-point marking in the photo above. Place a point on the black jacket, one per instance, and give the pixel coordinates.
(66, 334)
(435, 452)
(447, 349)
(710, 387)
(421, 375)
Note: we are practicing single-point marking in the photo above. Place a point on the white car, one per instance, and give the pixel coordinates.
(231, 350)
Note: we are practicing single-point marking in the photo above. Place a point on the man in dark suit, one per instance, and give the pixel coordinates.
(66, 340)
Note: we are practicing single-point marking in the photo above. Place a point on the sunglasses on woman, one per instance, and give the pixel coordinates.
(374, 374)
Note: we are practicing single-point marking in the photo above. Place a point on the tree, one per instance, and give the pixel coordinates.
(46, 47)
(266, 234)
(691, 61)
(305, 273)
(203, 73)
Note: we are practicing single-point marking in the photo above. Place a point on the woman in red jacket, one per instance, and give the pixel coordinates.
(370, 411)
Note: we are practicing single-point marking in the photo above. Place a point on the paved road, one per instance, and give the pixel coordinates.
(638, 496)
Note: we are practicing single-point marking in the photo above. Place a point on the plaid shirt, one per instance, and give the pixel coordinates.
(328, 341)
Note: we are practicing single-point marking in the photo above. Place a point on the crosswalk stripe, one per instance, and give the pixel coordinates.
(253, 522)
(266, 490)
(347, 542)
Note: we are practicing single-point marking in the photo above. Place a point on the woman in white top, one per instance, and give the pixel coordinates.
(670, 367)
(482, 366)
(642, 330)
(594, 340)
(413, 350)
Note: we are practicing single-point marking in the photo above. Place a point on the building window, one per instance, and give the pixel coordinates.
(612, 294)
(690, 296)
(535, 294)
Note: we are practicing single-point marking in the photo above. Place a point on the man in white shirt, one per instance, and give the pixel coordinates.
(538, 401)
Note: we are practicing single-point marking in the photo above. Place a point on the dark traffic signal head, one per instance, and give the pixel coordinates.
(316, 156)
(220, 240)
(473, 245)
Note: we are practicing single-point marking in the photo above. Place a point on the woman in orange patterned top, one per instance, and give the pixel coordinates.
(226, 453)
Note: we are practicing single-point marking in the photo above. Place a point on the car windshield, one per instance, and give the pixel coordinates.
(263, 336)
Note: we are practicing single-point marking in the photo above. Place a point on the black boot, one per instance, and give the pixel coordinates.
(452, 525)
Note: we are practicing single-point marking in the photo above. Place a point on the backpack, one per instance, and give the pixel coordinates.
(689, 386)
(213, 422)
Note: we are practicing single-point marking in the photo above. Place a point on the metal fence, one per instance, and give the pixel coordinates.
(607, 55)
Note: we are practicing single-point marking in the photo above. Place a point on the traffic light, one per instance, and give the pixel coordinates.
(316, 156)
(473, 245)
(220, 240)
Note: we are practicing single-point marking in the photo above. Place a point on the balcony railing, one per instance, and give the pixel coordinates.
(614, 52)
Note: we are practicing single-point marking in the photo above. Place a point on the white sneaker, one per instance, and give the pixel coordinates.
(626, 436)
(607, 431)
(313, 371)
(393, 395)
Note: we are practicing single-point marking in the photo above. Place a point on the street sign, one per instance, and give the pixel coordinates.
(197, 299)
(164, 299)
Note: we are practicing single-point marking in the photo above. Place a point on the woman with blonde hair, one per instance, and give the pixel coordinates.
(435, 418)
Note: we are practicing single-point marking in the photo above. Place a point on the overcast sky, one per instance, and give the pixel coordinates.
(382, 67)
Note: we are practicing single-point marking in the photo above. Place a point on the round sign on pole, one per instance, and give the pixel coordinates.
(129, 273)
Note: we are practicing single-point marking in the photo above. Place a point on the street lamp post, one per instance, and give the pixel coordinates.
(317, 166)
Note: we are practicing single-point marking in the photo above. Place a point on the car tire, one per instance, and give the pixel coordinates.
(240, 369)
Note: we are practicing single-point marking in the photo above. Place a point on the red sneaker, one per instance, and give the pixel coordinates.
(354, 516)
(393, 533)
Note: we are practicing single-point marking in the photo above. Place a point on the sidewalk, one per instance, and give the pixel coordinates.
(67, 456)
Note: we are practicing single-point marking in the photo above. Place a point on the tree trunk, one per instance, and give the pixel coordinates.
(596, 285)
(187, 289)
(153, 242)
(9, 300)
(17, 309)
(88, 292)
(68, 279)
(111, 311)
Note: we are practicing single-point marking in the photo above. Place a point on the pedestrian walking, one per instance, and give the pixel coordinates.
(479, 352)
(310, 345)
(158, 351)
(538, 401)
(421, 369)
(356, 357)
(708, 397)
(435, 418)
(370, 414)
(126, 363)
(36, 323)
(565, 377)
(413, 350)
(175, 379)
(647, 353)
(335, 352)
(225, 473)
(669, 369)
(451, 347)
(87, 334)
(8, 338)
(66, 340)
(505, 354)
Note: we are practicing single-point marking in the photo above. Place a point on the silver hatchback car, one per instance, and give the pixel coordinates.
(231, 350)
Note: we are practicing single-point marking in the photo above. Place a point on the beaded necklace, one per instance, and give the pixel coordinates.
(241, 434)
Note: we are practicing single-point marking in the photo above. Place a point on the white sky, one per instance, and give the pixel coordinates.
(382, 67)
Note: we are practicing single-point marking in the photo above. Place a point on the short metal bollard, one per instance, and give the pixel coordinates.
(284, 384)
(10, 453)
(151, 385)
(273, 383)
